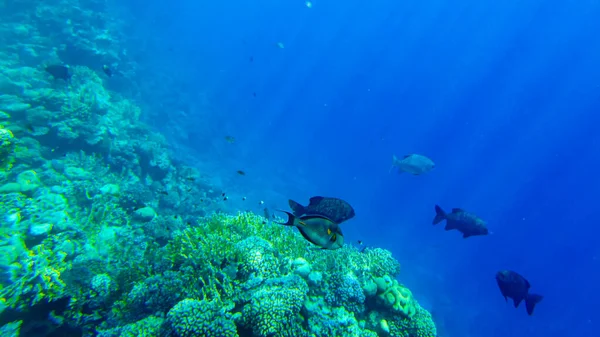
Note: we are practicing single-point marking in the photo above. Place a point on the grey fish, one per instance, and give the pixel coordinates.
(413, 163)
(59, 71)
(512, 285)
(467, 223)
(318, 230)
(335, 209)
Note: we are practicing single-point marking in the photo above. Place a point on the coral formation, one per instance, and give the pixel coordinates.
(103, 232)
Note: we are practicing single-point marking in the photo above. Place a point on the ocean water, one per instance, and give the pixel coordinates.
(504, 96)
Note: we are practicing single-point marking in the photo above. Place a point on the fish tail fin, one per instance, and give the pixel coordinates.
(290, 220)
(531, 301)
(439, 215)
(297, 209)
(394, 160)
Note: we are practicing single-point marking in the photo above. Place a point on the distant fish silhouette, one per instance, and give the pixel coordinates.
(467, 223)
(512, 285)
(413, 163)
(59, 71)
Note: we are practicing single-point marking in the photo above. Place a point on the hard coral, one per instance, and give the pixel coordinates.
(7, 147)
(256, 256)
(274, 307)
(190, 318)
(345, 291)
(394, 296)
(420, 325)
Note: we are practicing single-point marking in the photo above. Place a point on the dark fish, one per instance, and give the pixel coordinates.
(191, 178)
(107, 70)
(230, 139)
(467, 223)
(361, 246)
(266, 213)
(240, 172)
(254, 94)
(335, 209)
(318, 230)
(251, 58)
(59, 71)
(515, 286)
(163, 192)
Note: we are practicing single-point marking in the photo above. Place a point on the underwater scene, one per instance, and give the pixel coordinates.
(385, 168)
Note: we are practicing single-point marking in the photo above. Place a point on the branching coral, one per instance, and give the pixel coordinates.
(35, 276)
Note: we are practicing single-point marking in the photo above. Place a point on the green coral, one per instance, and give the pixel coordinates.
(274, 308)
(256, 257)
(7, 148)
(34, 275)
(394, 296)
(190, 318)
(419, 325)
(150, 326)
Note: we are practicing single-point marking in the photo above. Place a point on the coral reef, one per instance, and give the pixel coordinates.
(103, 232)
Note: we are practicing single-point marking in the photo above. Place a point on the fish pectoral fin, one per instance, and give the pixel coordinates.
(448, 227)
(457, 210)
(516, 302)
(465, 235)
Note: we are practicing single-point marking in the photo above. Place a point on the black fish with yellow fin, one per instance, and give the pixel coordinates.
(317, 229)
(335, 209)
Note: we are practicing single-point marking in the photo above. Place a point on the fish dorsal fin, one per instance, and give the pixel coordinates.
(315, 200)
(457, 210)
(527, 284)
(297, 209)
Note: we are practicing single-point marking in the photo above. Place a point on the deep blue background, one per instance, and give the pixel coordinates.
(503, 95)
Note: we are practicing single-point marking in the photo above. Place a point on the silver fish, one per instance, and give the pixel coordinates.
(413, 163)
(317, 229)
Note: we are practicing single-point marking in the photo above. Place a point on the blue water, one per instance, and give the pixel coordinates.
(503, 95)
